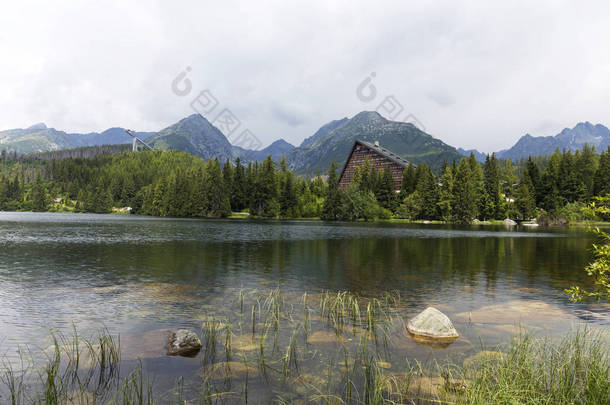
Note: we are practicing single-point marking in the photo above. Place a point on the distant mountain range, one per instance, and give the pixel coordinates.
(569, 139)
(39, 138)
(332, 142)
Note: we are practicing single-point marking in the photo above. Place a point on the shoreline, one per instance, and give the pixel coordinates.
(244, 216)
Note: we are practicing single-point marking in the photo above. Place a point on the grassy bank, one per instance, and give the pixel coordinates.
(331, 348)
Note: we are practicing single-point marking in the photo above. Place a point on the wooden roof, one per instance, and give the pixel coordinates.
(388, 154)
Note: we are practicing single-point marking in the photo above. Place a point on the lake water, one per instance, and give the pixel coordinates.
(139, 276)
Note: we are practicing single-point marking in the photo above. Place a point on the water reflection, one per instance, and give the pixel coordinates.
(135, 274)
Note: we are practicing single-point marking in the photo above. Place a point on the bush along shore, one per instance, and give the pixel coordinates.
(556, 189)
(329, 348)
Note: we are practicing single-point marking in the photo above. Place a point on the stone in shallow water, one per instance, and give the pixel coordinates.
(324, 337)
(517, 312)
(482, 357)
(432, 326)
(183, 342)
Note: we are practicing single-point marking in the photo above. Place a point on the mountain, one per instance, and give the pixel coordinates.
(40, 138)
(193, 134)
(333, 143)
(569, 139)
(277, 149)
(479, 156)
(111, 136)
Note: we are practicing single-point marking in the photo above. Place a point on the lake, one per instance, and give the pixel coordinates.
(139, 276)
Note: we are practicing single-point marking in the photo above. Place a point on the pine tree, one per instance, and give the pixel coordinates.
(40, 200)
(525, 201)
(586, 167)
(446, 194)
(532, 171)
(238, 195)
(228, 178)
(427, 188)
(288, 192)
(409, 181)
(476, 176)
(550, 200)
(602, 175)
(4, 192)
(331, 209)
(385, 194)
(218, 203)
(492, 200)
(266, 189)
(464, 201)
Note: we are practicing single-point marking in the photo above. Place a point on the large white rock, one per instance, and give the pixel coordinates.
(509, 222)
(183, 342)
(431, 325)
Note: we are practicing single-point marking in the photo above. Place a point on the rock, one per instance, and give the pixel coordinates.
(384, 364)
(230, 369)
(324, 337)
(147, 345)
(509, 222)
(529, 312)
(483, 357)
(183, 342)
(245, 343)
(431, 325)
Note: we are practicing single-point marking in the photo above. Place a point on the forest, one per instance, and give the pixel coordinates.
(557, 188)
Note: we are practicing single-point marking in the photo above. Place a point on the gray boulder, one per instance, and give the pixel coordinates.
(432, 326)
(509, 222)
(183, 342)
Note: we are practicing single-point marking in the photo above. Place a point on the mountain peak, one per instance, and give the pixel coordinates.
(281, 143)
(368, 116)
(40, 125)
(568, 139)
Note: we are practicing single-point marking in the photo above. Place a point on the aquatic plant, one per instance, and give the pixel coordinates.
(290, 354)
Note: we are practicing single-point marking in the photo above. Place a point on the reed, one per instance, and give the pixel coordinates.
(575, 370)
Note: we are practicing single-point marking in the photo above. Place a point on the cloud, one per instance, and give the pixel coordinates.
(441, 98)
(476, 74)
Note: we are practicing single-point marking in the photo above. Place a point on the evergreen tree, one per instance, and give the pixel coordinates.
(265, 198)
(40, 200)
(4, 192)
(427, 188)
(533, 173)
(228, 178)
(464, 202)
(288, 192)
(525, 201)
(385, 194)
(492, 200)
(550, 200)
(446, 194)
(331, 209)
(602, 175)
(238, 195)
(476, 177)
(586, 167)
(218, 203)
(409, 181)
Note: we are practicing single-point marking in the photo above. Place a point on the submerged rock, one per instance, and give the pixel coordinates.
(183, 342)
(482, 357)
(519, 312)
(432, 326)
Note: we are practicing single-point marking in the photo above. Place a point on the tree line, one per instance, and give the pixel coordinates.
(178, 184)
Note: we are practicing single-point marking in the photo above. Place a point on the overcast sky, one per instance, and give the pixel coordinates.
(475, 74)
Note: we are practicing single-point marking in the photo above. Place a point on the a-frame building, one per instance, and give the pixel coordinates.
(378, 157)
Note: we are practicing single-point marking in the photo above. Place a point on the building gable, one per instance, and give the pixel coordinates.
(379, 158)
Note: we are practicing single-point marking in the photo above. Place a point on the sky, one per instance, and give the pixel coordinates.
(475, 74)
